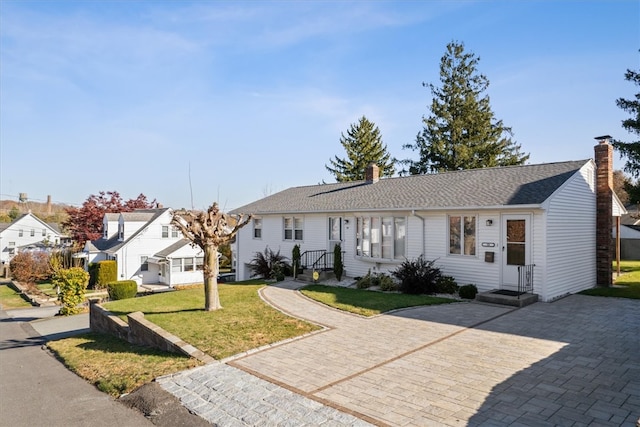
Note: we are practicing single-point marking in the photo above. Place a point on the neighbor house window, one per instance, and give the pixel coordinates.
(174, 231)
(144, 264)
(199, 263)
(257, 228)
(44, 232)
(33, 232)
(105, 233)
(121, 231)
(20, 233)
(165, 231)
(381, 237)
(462, 235)
(176, 264)
(293, 228)
(12, 244)
(188, 264)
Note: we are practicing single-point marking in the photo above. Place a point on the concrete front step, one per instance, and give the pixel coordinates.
(515, 301)
(307, 276)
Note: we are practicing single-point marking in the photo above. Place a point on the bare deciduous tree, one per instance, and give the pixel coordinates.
(208, 230)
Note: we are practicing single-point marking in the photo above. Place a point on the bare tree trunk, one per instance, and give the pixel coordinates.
(210, 273)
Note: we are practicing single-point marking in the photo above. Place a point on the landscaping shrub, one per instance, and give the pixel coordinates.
(30, 267)
(72, 283)
(107, 271)
(381, 280)
(418, 276)
(468, 291)
(446, 285)
(268, 264)
(295, 260)
(122, 289)
(338, 267)
(93, 274)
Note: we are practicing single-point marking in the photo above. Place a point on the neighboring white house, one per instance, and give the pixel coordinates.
(479, 225)
(24, 233)
(147, 248)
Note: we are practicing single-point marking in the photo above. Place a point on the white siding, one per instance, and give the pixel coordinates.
(571, 241)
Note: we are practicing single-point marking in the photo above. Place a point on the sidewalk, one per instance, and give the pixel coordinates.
(48, 325)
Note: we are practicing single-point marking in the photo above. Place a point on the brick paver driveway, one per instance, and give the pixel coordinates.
(571, 362)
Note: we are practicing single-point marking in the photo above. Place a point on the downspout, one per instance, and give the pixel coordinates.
(413, 213)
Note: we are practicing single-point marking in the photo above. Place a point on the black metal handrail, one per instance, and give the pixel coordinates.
(525, 279)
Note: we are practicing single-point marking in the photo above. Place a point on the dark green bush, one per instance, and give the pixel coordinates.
(107, 271)
(295, 260)
(468, 291)
(122, 289)
(338, 266)
(268, 264)
(446, 285)
(381, 280)
(93, 274)
(364, 282)
(387, 283)
(418, 276)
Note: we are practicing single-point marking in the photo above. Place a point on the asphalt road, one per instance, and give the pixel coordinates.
(37, 390)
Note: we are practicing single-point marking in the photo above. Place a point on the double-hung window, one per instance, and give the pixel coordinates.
(33, 232)
(175, 232)
(257, 228)
(20, 233)
(165, 231)
(44, 232)
(462, 235)
(293, 228)
(381, 237)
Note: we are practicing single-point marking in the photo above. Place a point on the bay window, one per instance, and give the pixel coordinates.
(381, 237)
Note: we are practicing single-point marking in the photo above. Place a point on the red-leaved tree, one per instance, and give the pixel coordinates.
(85, 223)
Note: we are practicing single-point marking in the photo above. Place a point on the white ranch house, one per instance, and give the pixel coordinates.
(27, 232)
(479, 225)
(147, 248)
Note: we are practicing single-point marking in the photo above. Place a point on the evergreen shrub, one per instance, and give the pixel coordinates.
(468, 291)
(122, 289)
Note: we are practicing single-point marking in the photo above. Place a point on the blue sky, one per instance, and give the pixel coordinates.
(250, 98)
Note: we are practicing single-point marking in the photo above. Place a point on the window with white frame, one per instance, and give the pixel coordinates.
(199, 263)
(293, 228)
(381, 237)
(20, 233)
(144, 264)
(257, 228)
(187, 264)
(121, 231)
(175, 232)
(335, 229)
(462, 235)
(44, 232)
(33, 232)
(12, 244)
(165, 231)
(176, 264)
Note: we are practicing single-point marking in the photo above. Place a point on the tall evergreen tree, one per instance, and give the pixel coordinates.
(461, 132)
(363, 145)
(631, 150)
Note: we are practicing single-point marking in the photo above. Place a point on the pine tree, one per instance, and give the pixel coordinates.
(631, 150)
(461, 132)
(363, 145)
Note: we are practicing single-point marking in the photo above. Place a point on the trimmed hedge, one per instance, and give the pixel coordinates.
(468, 291)
(122, 289)
(106, 272)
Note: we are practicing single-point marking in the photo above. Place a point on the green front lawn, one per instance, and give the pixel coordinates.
(367, 303)
(9, 298)
(244, 323)
(626, 286)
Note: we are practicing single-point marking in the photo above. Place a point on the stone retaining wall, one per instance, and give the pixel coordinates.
(140, 331)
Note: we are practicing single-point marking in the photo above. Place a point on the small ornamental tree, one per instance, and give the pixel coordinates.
(208, 230)
(338, 267)
(295, 260)
(30, 267)
(72, 283)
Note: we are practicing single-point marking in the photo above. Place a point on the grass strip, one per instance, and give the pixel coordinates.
(367, 303)
(626, 286)
(9, 298)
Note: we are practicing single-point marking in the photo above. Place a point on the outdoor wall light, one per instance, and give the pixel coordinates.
(346, 221)
(489, 222)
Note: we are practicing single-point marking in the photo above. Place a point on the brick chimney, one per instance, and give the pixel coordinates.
(604, 210)
(372, 173)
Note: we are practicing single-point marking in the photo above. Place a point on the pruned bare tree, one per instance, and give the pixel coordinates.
(208, 230)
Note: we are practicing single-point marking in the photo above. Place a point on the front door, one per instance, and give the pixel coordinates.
(516, 250)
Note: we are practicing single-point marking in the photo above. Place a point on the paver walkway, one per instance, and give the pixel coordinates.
(573, 362)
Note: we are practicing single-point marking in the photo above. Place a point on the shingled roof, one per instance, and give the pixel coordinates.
(477, 188)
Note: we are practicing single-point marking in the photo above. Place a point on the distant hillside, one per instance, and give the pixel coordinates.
(55, 212)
